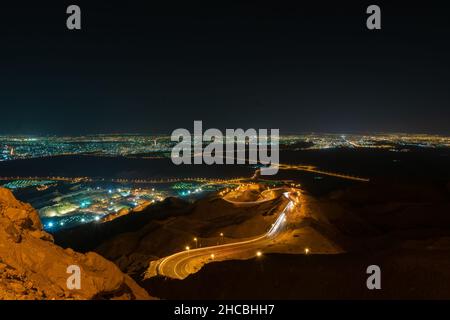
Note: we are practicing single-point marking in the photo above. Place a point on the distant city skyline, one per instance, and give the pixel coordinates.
(283, 133)
(22, 147)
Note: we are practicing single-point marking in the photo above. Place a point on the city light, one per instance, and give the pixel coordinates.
(13, 147)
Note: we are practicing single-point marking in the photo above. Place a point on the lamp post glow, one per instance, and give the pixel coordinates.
(196, 242)
(259, 254)
(306, 250)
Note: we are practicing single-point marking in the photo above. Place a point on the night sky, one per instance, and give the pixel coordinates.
(140, 67)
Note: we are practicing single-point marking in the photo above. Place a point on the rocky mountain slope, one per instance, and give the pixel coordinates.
(33, 267)
(404, 228)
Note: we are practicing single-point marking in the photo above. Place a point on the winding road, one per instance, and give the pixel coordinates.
(182, 264)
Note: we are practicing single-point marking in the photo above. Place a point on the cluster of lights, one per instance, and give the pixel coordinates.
(52, 224)
(186, 193)
(97, 204)
(85, 204)
(18, 147)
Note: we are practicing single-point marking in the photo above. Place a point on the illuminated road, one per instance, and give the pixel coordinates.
(315, 170)
(281, 166)
(307, 168)
(182, 264)
(66, 179)
(137, 181)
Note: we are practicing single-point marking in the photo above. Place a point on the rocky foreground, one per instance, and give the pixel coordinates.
(33, 267)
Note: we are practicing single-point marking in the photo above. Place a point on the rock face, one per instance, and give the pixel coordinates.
(33, 267)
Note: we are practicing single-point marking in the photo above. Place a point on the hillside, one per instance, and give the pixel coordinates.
(33, 267)
(403, 228)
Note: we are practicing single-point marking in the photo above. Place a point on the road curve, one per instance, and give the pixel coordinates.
(182, 264)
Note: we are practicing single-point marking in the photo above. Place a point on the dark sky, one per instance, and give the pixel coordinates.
(140, 67)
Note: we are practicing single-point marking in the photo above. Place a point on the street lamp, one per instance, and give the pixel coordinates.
(306, 250)
(212, 256)
(221, 237)
(259, 254)
(196, 242)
